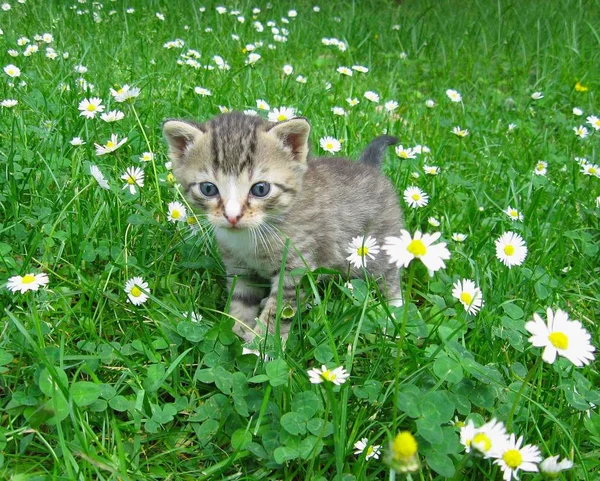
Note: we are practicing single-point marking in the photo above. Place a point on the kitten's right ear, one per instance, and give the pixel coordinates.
(180, 135)
(293, 134)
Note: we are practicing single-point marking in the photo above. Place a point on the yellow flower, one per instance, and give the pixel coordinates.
(403, 453)
(580, 88)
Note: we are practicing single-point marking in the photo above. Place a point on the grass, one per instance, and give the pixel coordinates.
(93, 387)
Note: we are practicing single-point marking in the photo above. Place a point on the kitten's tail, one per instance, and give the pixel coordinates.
(373, 154)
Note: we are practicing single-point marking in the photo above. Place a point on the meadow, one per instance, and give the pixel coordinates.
(117, 360)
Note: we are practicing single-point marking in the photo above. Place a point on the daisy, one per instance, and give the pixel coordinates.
(360, 68)
(460, 132)
(421, 149)
(281, 114)
(512, 127)
(337, 376)
(415, 197)
(112, 116)
(338, 111)
(514, 214)
(202, 91)
(344, 71)
(592, 119)
(125, 93)
(582, 132)
(133, 176)
(488, 439)
(541, 168)
(590, 169)
(251, 112)
(403, 453)
(562, 336)
(514, 457)
(552, 467)
(12, 71)
(391, 105)
(454, 95)
(301, 79)
(288, 70)
(361, 248)
(77, 141)
(405, 153)
(28, 282)
(373, 451)
(352, 101)
(252, 58)
(537, 95)
(177, 212)
(147, 157)
(137, 290)
(372, 96)
(330, 144)
(458, 237)
(469, 295)
(511, 249)
(111, 145)
(97, 174)
(9, 103)
(577, 111)
(431, 169)
(262, 105)
(432, 221)
(429, 103)
(90, 107)
(402, 250)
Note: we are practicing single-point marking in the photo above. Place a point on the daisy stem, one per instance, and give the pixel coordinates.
(458, 474)
(392, 475)
(139, 122)
(527, 380)
(339, 448)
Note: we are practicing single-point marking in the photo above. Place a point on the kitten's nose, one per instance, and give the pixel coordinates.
(233, 220)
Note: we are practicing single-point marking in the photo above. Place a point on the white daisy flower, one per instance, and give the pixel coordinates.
(541, 168)
(337, 376)
(511, 249)
(360, 249)
(582, 132)
(77, 141)
(486, 440)
(111, 145)
(28, 282)
(431, 169)
(552, 466)
(469, 295)
(12, 71)
(147, 157)
(352, 101)
(330, 144)
(460, 132)
(90, 107)
(513, 458)
(415, 197)
(373, 451)
(454, 95)
(390, 105)
(9, 103)
(458, 237)
(593, 121)
(372, 96)
(125, 93)
(429, 103)
(577, 111)
(339, 111)
(402, 250)
(405, 153)
(97, 174)
(432, 221)
(360, 68)
(262, 105)
(562, 336)
(112, 116)
(590, 169)
(513, 213)
(537, 95)
(133, 177)
(137, 290)
(252, 58)
(344, 71)
(288, 70)
(282, 113)
(177, 212)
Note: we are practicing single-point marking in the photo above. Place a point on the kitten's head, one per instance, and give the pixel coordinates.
(240, 170)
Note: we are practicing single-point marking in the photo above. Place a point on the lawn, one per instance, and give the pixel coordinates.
(117, 357)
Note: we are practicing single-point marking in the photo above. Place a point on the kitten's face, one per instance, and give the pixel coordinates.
(240, 171)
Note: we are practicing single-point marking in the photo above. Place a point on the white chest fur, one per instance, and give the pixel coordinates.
(243, 245)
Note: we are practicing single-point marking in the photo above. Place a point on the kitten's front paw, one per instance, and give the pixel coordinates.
(267, 323)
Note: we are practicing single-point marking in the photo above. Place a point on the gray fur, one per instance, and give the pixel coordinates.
(320, 204)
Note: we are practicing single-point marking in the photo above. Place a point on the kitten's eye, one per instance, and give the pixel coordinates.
(260, 189)
(208, 189)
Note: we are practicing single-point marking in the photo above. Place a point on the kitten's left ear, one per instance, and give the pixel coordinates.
(180, 135)
(294, 134)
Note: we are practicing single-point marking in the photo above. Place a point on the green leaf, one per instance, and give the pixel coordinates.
(441, 464)
(50, 385)
(85, 393)
(306, 403)
(154, 377)
(294, 423)
(430, 430)
(240, 439)
(370, 390)
(409, 401)
(206, 431)
(278, 372)
(483, 396)
(437, 407)
(310, 447)
(121, 404)
(283, 454)
(5, 357)
(449, 369)
(513, 310)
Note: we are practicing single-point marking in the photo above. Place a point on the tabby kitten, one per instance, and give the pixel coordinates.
(256, 184)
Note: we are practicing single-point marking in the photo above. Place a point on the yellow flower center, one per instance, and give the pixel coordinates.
(120, 91)
(362, 251)
(597, 123)
(509, 250)
(593, 170)
(417, 248)
(281, 117)
(370, 450)
(512, 458)
(110, 144)
(28, 279)
(514, 213)
(540, 167)
(329, 146)
(91, 108)
(175, 214)
(482, 442)
(136, 291)
(191, 220)
(404, 446)
(416, 197)
(130, 180)
(466, 298)
(328, 375)
(170, 177)
(559, 340)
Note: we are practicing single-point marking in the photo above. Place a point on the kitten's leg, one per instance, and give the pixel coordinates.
(269, 312)
(245, 302)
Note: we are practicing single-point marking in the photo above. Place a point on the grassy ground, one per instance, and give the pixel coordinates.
(93, 387)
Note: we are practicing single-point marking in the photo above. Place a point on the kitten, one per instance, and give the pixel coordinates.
(256, 184)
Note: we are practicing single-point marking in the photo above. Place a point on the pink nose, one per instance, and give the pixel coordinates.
(233, 220)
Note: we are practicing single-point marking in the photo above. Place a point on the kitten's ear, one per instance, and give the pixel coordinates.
(180, 135)
(294, 134)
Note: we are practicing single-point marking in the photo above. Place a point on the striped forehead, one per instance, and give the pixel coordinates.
(233, 143)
